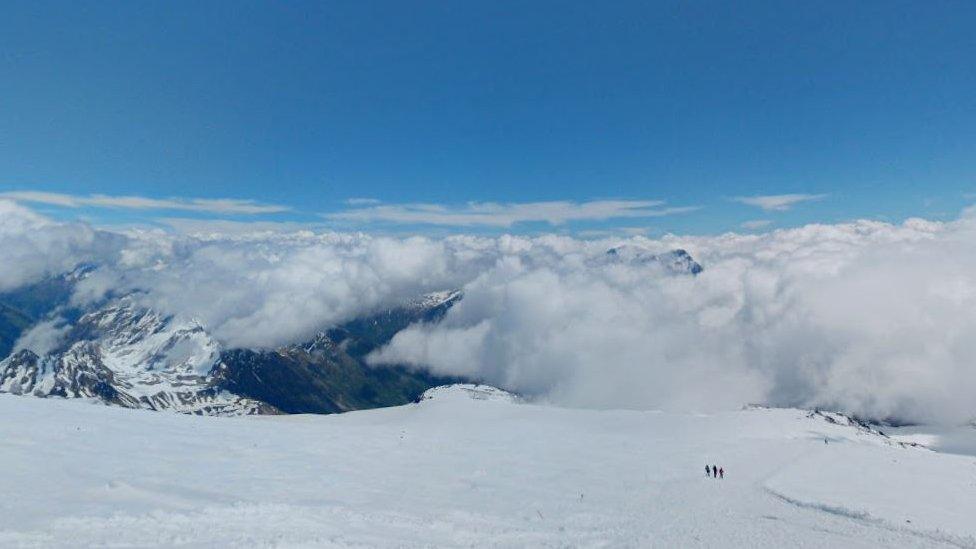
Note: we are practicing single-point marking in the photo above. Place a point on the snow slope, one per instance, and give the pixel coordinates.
(467, 467)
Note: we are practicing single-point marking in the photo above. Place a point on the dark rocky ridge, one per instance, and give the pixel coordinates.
(329, 374)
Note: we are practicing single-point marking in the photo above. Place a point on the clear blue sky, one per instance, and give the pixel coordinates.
(306, 105)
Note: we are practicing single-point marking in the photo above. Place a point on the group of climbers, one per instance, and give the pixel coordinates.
(714, 471)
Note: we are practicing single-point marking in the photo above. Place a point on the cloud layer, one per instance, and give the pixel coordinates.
(865, 317)
(504, 215)
(218, 205)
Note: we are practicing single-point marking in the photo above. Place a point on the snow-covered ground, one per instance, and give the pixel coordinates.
(467, 468)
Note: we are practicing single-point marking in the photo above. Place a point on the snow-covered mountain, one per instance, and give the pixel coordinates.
(126, 355)
(676, 262)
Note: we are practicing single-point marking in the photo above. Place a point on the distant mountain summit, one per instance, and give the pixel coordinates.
(676, 262)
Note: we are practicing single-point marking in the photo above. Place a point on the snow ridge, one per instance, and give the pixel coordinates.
(467, 391)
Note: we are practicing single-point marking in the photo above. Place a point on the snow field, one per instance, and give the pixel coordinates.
(468, 468)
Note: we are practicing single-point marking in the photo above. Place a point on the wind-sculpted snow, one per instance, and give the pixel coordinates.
(865, 317)
(457, 471)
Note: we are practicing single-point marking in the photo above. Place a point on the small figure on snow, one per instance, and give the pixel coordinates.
(714, 471)
(721, 472)
(708, 471)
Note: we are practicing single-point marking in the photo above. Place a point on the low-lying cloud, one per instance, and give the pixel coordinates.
(865, 317)
(32, 246)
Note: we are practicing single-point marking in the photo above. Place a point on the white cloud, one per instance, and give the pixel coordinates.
(32, 246)
(778, 202)
(259, 289)
(44, 336)
(755, 224)
(218, 205)
(801, 317)
(362, 201)
(505, 215)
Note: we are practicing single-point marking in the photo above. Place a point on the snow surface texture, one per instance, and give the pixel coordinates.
(469, 466)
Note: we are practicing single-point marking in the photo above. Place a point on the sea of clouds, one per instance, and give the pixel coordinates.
(867, 317)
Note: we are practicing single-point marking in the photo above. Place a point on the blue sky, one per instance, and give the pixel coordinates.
(465, 116)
